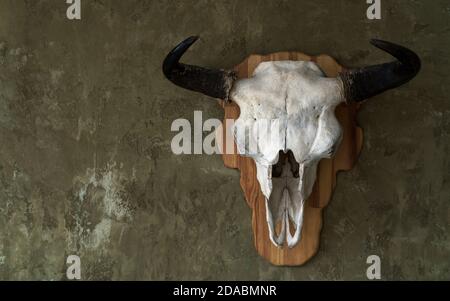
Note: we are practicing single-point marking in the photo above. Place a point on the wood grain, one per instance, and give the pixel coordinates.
(345, 159)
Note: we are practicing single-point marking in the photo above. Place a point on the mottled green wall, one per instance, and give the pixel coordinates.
(85, 160)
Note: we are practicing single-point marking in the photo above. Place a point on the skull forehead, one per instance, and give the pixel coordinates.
(285, 88)
(298, 96)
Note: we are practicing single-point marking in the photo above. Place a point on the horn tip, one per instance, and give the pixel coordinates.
(173, 57)
(192, 39)
(403, 54)
(379, 43)
(185, 44)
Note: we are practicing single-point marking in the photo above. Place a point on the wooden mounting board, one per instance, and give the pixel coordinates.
(345, 159)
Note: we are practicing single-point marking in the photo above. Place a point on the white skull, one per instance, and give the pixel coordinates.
(287, 108)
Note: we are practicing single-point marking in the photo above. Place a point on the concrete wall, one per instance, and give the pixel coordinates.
(85, 160)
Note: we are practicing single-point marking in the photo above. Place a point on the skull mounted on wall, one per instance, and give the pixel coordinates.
(287, 121)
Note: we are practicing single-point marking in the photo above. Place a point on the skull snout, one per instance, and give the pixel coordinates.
(284, 207)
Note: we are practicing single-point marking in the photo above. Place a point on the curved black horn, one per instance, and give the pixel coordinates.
(362, 83)
(214, 83)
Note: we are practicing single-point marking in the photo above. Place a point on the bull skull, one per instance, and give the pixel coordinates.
(287, 115)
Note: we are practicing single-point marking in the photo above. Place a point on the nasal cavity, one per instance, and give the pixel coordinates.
(285, 159)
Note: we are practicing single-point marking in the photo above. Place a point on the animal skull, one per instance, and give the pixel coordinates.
(287, 112)
(287, 122)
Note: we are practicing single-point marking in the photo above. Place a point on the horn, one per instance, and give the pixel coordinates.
(362, 83)
(211, 82)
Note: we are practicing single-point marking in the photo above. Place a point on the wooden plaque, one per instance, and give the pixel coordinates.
(345, 159)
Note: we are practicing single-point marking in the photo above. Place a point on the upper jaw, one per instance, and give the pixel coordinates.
(283, 187)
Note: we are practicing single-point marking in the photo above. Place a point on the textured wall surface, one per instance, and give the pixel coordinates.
(86, 166)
